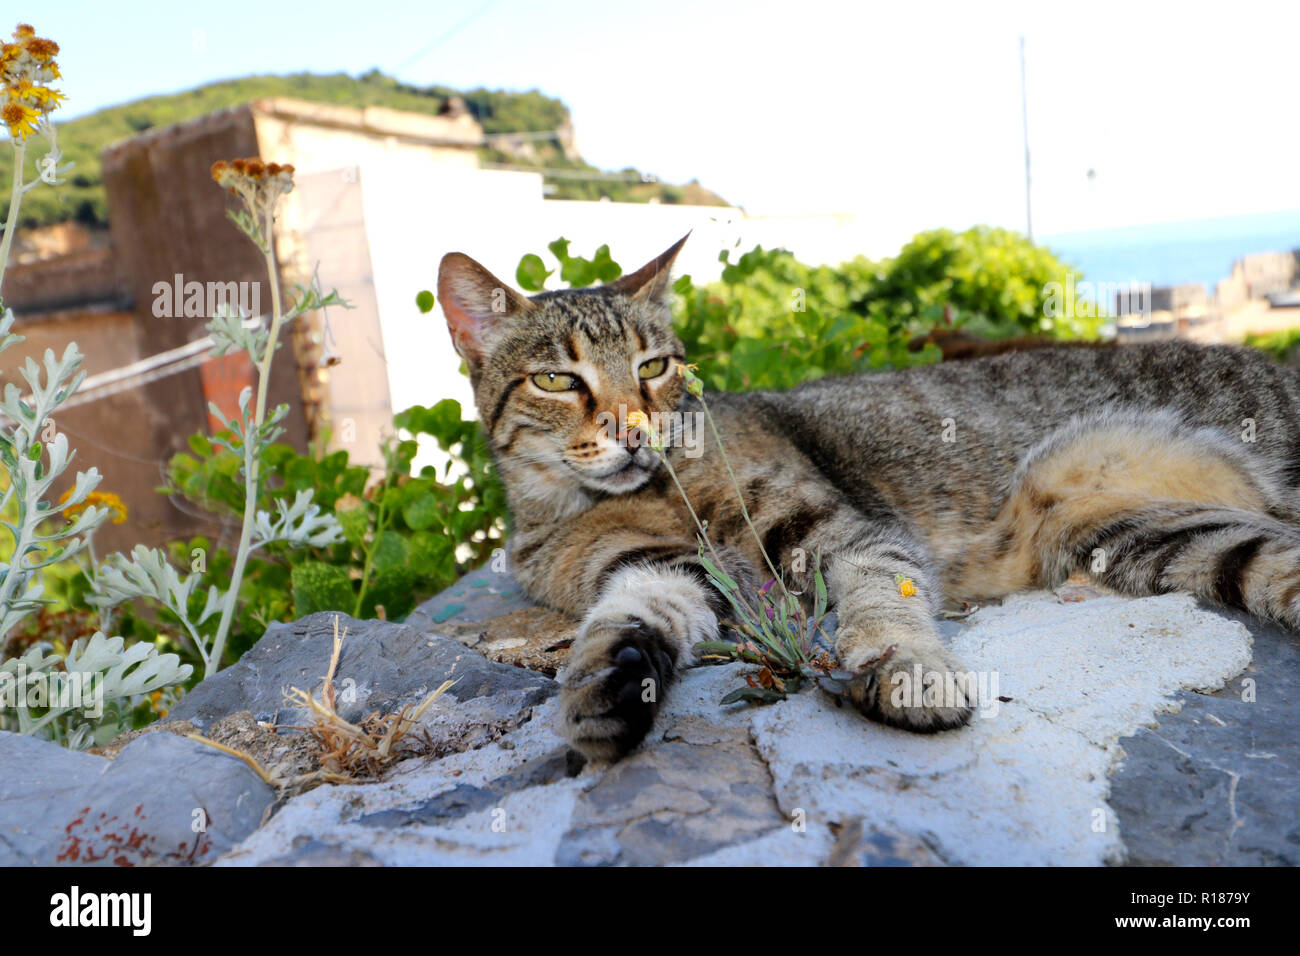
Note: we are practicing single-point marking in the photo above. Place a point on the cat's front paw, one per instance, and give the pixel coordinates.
(611, 686)
(916, 687)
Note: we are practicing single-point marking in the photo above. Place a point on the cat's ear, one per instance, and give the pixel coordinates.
(651, 282)
(476, 303)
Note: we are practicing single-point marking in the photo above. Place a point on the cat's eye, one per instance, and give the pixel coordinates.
(555, 381)
(653, 368)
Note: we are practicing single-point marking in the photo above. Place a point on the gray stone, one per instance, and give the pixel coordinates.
(494, 805)
(309, 852)
(1026, 782)
(1218, 782)
(700, 788)
(857, 844)
(804, 782)
(382, 666)
(478, 596)
(463, 799)
(164, 799)
(36, 780)
(1078, 687)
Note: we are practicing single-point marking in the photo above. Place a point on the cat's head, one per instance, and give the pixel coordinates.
(556, 375)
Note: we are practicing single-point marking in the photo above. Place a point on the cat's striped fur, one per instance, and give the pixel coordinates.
(1156, 467)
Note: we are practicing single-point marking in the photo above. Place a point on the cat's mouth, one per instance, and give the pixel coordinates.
(628, 475)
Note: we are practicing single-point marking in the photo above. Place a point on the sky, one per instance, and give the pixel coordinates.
(906, 114)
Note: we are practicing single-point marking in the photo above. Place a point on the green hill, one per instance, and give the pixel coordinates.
(499, 111)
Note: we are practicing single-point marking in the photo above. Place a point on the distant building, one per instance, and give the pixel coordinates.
(1258, 297)
(150, 376)
(1187, 300)
(1163, 312)
(1261, 295)
(1257, 277)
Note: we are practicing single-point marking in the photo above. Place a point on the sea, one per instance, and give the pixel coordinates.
(1172, 253)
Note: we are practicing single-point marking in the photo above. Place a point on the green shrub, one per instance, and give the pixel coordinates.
(993, 282)
(773, 322)
(404, 537)
(1281, 344)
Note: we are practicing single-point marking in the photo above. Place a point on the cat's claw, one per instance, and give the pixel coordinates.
(611, 689)
(921, 690)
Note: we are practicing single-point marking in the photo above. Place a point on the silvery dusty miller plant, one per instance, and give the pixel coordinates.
(147, 573)
(112, 675)
(85, 693)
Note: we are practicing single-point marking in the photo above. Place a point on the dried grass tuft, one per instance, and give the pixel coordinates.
(345, 751)
(368, 748)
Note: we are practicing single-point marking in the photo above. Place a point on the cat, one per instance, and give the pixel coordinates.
(1153, 467)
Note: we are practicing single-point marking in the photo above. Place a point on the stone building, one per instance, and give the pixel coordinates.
(149, 375)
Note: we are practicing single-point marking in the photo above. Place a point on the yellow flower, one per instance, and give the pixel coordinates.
(102, 499)
(21, 119)
(254, 178)
(46, 98)
(40, 49)
(26, 67)
(640, 420)
(905, 586)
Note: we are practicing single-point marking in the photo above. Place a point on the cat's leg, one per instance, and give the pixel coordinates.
(1146, 505)
(627, 653)
(1240, 559)
(887, 634)
(645, 601)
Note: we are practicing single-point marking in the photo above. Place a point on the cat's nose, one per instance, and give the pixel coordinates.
(631, 438)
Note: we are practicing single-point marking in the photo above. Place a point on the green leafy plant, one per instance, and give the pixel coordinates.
(299, 523)
(993, 282)
(90, 691)
(1282, 345)
(403, 535)
(404, 532)
(578, 272)
(92, 688)
(32, 468)
(773, 322)
(87, 695)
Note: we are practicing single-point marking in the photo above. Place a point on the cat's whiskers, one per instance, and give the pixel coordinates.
(526, 457)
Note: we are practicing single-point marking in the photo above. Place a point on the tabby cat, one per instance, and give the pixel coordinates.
(1155, 467)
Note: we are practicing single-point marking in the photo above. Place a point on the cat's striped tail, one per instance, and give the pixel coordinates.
(1241, 559)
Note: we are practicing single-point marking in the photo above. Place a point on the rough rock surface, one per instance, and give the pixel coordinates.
(486, 611)
(1111, 730)
(805, 782)
(1222, 777)
(382, 666)
(164, 799)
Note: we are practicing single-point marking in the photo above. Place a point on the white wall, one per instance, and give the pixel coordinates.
(417, 211)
